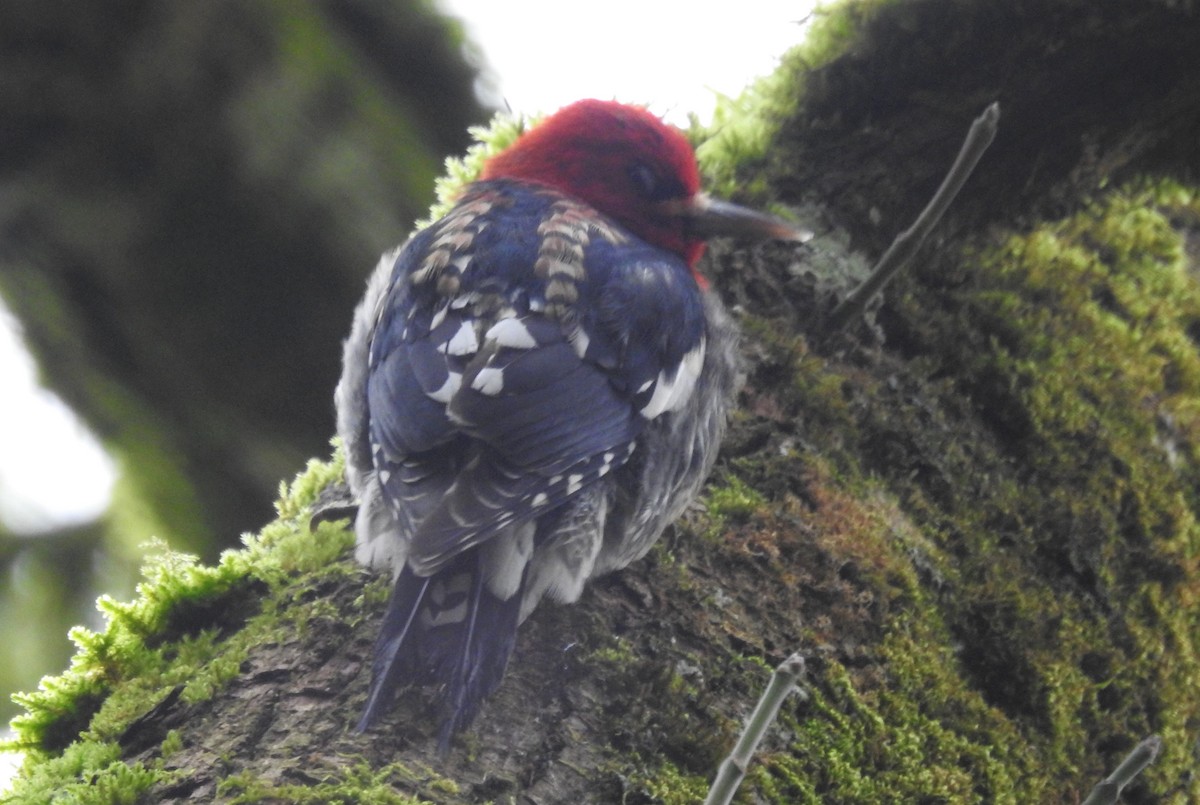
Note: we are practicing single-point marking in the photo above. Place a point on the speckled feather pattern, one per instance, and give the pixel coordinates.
(530, 396)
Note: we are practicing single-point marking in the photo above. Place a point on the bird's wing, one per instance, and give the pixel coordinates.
(544, 425)
(518, 405)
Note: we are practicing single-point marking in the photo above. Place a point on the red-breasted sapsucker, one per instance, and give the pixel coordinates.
(535, 386)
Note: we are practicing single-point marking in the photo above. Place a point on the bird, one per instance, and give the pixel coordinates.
(534, 387)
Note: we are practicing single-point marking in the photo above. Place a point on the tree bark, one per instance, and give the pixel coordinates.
(980, 530)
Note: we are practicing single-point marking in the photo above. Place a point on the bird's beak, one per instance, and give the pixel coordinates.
(708, 217)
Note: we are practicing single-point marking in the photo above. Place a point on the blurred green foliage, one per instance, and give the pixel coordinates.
(193, 196)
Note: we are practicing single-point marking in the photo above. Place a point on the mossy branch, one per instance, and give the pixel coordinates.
(733, 768)
(1107, 791)
(905, 246)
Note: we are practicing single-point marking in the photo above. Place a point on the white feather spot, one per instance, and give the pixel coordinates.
(504, 559)
(573, 483)
(489, 381)
(463, 342)
(448, 389)
(580, 341)
(642, 388)
(440, 592)
(384, 476)
(511, 333)
(671, 394)
(539, 500)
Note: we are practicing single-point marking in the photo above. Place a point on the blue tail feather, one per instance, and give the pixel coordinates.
(392, 667)
(446, 629)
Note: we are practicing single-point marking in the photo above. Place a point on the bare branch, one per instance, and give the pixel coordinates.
(898, 255)
(733, 768)
(1107, 792)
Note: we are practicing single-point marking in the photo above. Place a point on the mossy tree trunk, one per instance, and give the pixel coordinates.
(191, 197)
(976, 516)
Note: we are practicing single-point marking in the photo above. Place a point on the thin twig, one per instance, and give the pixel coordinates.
(1106, 792)
(733, 768)
(982, 132)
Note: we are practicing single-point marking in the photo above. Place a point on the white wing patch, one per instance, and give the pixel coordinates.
(448, 389)
(511, 333)
(580, 341)
(505, 558)
(671, 394)
(464, 341)
(489, 381)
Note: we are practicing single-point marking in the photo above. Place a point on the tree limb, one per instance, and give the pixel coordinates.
(733, 768)
(898, 255)
(1107, 791)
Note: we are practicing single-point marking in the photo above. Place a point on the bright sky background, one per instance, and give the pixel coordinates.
(53, 472)
(675, 57)
(671, 55)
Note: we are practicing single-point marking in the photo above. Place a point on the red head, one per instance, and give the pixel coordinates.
(634, 168)
(620, 159)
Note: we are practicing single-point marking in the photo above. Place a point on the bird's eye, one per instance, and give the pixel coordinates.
(655, 186)
(644, 180)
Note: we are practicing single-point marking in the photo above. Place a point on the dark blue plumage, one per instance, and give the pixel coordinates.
(522, 344)
(541, 394)
(534, 387)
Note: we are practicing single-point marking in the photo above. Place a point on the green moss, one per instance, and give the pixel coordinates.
(998, 530)
(1067, 492)
(491, 139)
(1011, 506)
(901, 741)
(87, 773)
(1098, 352)
(617, 653)
(744, 130)
(347, 786)
(659, 708)
(190, 626)
(732, 502)
(670, 786)
(171, 744)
